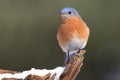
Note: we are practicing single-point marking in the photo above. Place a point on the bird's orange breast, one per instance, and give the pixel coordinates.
(71, 28)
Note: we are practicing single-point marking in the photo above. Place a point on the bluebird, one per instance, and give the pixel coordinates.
(73, 33)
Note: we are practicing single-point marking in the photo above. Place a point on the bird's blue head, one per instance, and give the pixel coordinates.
(69, 12)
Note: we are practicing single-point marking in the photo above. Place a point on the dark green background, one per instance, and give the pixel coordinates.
(28, 31)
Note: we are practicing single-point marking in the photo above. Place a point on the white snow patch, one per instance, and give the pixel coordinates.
(33, 71)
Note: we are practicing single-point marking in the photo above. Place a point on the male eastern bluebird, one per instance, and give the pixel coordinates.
(73, 33)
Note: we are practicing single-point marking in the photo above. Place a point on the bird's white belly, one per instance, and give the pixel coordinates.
(74, 45)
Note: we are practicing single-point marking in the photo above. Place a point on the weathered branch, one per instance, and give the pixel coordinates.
(2, 71)
(71, 71)
(73, 67)
(46, 77)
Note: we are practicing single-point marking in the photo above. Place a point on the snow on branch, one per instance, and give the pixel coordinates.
(67, 72)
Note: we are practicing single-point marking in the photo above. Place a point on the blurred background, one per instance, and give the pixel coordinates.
(28, 31)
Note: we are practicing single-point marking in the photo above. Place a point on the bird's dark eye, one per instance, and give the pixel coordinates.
(69, 12)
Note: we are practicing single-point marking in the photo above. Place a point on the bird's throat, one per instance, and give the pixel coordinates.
(70, 19)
